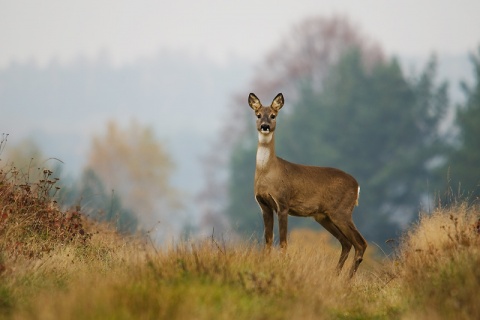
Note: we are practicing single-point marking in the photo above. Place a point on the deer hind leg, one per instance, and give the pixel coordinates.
(362, 246)
(283, 227)
(346, 244)
(347, 227)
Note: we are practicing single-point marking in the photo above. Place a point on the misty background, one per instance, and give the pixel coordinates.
(71, 71)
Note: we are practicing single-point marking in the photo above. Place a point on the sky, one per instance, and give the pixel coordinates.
(221, 30)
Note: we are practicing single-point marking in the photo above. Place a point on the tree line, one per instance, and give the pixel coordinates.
(362, 114)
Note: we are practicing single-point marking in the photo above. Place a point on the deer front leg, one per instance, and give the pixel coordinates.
(268, 227)
(282, 227)
(267, 214)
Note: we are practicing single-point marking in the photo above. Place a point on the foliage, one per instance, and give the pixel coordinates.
(378, 126)
(370, 122)
(90, 194)
(308, 52)
(136, 166)
(463, 163)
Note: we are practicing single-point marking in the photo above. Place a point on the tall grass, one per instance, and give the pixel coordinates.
(205, 280)
(439, 263)
(54, 265)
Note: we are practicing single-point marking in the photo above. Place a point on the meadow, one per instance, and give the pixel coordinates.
(56, 264)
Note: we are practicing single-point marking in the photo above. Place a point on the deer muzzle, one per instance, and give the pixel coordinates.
(265, 128)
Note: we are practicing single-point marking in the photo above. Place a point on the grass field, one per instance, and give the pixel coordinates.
(57, 265)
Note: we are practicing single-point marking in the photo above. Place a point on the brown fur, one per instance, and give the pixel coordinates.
(328, 195)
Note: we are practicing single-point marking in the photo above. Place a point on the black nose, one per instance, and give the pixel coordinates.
(265, 127)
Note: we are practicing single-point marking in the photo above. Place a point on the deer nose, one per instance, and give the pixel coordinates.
(265, 128)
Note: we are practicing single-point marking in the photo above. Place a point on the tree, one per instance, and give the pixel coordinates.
(98, 203)
(367, 120)
(308, 52)
(136, 166)
(464, 162)
(382, 128)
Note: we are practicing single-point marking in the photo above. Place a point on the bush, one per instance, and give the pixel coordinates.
(31, 222)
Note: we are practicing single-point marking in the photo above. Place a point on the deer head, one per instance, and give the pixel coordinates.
(266, 116)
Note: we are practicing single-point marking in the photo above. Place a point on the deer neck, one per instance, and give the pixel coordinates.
(265, 150)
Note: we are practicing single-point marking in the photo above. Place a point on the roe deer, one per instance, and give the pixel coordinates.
(326, 194)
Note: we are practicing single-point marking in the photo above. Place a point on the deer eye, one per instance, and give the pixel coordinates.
(259, 115)
(272, 116)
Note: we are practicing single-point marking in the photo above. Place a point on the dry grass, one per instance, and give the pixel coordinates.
(439, 263)
(205, 280)
(31, 222)
(64, 273)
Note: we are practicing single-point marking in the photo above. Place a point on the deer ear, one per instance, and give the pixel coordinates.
(254, 102)
(277, 102)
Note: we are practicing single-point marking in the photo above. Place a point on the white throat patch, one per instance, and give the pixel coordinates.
(263, 154)
(265, 137)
